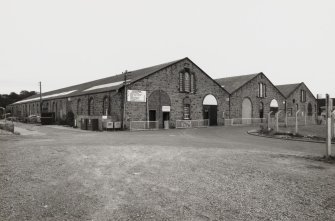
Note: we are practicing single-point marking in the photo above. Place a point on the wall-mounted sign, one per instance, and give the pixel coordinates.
(136, 96)
(166, 108)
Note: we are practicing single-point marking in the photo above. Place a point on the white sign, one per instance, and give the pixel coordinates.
(166, 108)
(104, 117)
(136, 96)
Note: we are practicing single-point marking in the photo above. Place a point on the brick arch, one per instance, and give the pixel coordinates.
(246, 108)
(157, 99)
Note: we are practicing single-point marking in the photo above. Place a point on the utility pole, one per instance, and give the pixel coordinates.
(125, 101)
(329, 107)
(40, 84)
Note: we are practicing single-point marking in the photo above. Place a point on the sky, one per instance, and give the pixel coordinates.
(67, 42)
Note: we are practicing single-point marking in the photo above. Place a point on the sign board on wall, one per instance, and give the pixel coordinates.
(166, 108)
(136, 96)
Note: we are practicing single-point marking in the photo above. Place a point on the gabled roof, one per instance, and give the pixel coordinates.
(288, 89)
(101, 85)
(231, 84)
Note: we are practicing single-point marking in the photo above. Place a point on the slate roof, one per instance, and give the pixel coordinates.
(101, 85)
(231, 84)
(287, 89)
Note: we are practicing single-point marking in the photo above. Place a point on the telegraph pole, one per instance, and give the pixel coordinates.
(40, 84)
(329, 107)
(125, 101)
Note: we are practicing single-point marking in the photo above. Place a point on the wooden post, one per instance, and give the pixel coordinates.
(269, 119)
(329, 107)
(305, 119)
(333, 124)
(296, 121)
(286, 119)
(277, 121)
(124, 101)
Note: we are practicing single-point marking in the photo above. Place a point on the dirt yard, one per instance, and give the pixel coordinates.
(217, 173)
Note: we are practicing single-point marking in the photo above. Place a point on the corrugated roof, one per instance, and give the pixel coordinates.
(287, 89)
(233, 83)
(101, 85)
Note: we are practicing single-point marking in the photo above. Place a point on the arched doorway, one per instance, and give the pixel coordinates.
(309, 110)
(159, 106)
(246, 108)
(274, 107)
(210, 109)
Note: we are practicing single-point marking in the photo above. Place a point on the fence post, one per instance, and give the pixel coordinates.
(305, 119)
(269, 119)
(333, 124)
(296, 121)
(329, 107)
(277, 123)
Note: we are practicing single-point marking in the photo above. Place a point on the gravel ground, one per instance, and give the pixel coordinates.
(217, 173)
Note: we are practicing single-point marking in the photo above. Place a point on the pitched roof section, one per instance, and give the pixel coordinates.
(101, 85)
(231, 84)
(287, 89)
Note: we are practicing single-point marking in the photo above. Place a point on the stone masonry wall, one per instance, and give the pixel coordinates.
(295, 99)
(250, 90)
(167, 80)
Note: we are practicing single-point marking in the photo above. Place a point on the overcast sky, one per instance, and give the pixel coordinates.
(67, 42)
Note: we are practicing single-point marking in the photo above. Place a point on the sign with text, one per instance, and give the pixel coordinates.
(136, 96)
(166, 108)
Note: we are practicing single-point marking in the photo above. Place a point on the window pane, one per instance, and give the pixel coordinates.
(187, 82)
(192, 83)
(186, 111)
(181, 82)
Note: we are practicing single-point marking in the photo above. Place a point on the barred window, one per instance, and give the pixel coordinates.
(181, 82)
(186, 111)
(187, 82)
(91, 106)
(261, 90)
(187, 108)
(79, 107)
(192, 83)
(303, 96)
(105, 106)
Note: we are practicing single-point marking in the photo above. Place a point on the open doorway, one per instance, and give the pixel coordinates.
(210, 109)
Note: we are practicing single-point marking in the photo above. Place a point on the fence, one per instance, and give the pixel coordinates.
(144, 125)
(192, 123)
(245, 121)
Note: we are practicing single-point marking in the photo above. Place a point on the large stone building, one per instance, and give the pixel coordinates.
(177, 90)
(252, 96)
(298, 97)
(170, 92)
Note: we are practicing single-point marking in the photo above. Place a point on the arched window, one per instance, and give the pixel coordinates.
(187, 108)
(187, 81)
(105, 106)
(91, 106)
(79, 107)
